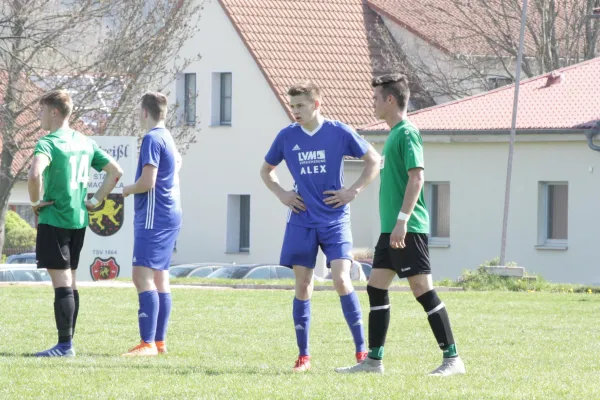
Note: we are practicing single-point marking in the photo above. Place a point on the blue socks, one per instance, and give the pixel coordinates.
(353, 315)
(164, 312)
(148, 315)
(301, 313)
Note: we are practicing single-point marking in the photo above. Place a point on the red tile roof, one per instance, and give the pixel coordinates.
(325, 41)
(572, 103)
(456, 29)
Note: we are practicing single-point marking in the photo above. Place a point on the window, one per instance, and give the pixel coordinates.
(437, 198)
(495, 82)
(222, 99)
(189, 101)
(238, 223)
(244, 223)
(553, 214)
(226, 99)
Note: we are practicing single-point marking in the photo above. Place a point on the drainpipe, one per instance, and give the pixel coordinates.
(589, 134)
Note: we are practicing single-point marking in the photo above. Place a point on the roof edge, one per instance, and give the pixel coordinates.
(412, 30)
(488, 132)
(512, 87)
(253, 55)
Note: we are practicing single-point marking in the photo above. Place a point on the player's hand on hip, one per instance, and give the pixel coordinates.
(36, 209)
(398, 235)
(293, 201)
(90, 206)
(340, 197)
(126, 191)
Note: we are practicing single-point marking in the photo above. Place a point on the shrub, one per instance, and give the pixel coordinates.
(17, 232)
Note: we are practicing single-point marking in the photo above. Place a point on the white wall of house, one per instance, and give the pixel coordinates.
(19, 193)
(476, 172)
(226, 160)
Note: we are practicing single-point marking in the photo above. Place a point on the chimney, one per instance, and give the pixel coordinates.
(555, 78)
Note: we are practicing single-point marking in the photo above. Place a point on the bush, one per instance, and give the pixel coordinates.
(481, 280)
(17, 232)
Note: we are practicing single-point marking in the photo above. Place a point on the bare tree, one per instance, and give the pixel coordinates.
(105, 52)
(477, 42)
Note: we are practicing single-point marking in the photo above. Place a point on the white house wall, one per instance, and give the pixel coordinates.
(226, 160)
(477, 174)
(19, 194)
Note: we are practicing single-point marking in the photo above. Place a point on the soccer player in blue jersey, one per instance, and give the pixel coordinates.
(314, 149)
(157, 220)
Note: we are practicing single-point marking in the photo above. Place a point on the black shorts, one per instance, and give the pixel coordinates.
(412, 260)
(58, 248)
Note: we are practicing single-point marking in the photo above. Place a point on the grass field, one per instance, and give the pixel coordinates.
(241, 344)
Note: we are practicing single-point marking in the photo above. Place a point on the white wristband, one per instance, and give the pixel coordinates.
(403, 217)
(94, 201)
(35, 203)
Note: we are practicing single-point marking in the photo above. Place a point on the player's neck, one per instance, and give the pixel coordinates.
(155, 124)
(396, 118)
(314, 123)
(59, 125)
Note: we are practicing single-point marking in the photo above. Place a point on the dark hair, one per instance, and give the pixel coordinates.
(308, 88)
(156, 105)
(60, 100)
(394, 85)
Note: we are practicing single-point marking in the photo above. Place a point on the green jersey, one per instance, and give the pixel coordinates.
(71, 154)
(402, 151)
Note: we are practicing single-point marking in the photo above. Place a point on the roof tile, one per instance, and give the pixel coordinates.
(569, 104)
(326, 41)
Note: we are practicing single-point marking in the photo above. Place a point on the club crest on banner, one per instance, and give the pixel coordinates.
(104, 269)
(107, 218)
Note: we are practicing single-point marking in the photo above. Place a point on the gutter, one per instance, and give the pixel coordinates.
(491, 132)
(590, 133)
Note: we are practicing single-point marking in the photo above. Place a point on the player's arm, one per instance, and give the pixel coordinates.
(146, 181)
(356, 147)
(372, 161)
(34, 181)
(113, 174)
(289, 198)
(416, 179)
(411, 149)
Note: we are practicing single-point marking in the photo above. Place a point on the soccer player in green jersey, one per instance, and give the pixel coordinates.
(61, 162)
(402, 248)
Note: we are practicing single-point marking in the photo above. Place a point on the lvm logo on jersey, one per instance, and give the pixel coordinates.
(312, 162)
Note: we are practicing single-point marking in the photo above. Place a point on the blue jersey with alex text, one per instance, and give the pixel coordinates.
(160, 207)
(316, 162)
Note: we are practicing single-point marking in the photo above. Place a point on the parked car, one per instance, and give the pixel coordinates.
(183, 270)
(270, 272)
(366, 268)
(23, 258)
(23, 273)
(233, 272)
(203, 272)
(253, 271)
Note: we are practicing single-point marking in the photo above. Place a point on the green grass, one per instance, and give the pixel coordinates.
(241, 344)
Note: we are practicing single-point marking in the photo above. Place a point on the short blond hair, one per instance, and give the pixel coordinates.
(156, 105)
(308, 88)
(60, 100)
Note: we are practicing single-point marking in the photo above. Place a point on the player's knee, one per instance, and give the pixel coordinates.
(342, 282)
(378, 297)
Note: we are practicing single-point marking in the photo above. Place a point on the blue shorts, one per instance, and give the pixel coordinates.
(153, 248)
(301, 244)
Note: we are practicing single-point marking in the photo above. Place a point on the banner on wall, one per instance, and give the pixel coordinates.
(108, 247)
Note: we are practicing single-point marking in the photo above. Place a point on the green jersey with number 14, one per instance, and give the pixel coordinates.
(71, 154)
